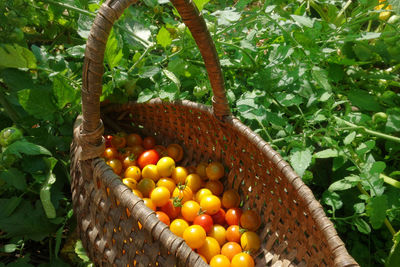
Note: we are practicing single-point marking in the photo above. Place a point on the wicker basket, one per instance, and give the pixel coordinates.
(295, 230)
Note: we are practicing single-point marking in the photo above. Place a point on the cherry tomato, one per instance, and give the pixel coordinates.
(108, 140)
(201, 169)
(146, 186)
(242, 260)
(179, 174)
(137, 193)
(133, 139)
(183, 193)
(149, 203)
(149, 142)
(129, 161)
(203, 258)
(110, 153)
(168, 183)
(210, 248)
(133, 172)
(202, 193)
(148, 157)
(215, 170)
(118, 141)
(250, 220)
(130, 182)
(210, 204)
(230, 199)
(175, 151)
(150, 172)
(220, 261)
(219, 233)
(194, 181)
(219, 217)
(190, 210)
(233, 233)
(162, 151)
(165, 166)
(205, 221)
(250, 241)
(232, 216)
(215, 186)
(171, 210)
(178, 226)
(163, 217)
(136, 150)
(116, 165)
(230, 249)
(195, 236)
(160, 196)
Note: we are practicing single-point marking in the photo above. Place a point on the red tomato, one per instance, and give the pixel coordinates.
(219, 217)
(170, 209)
(232, 216)
(205, 221)
(108, 140)
(133, 139)
(233, 233)
(118, 141)
(163, 217)
(250, 220)
(149, 142)
(148, 157)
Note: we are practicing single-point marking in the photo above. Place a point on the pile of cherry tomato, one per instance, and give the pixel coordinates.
(192, 201)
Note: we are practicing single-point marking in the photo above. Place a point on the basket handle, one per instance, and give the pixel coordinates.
(110, 11)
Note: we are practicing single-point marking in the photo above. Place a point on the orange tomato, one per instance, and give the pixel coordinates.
(165, 166)
(215, 186)
(160, 196)
(210, 204)
(128, 161)
(110, 153)
(203, 258)
(183, 192)
(171, 210)
(195, 236)
(194, 181)
(179, 174)
(242, 260)
(175, 151)
(163, 217)
(233, 233)
(220, 261)
(201, 169)
(250, 220)
(250, 241)
(115, 165)
(230, 249)
(215, 170)
(230, 199)
(168, 183)
(118, 141)
(232, 216)
(149, 203)
(133, 139)
(210, 248)
(133, 172)
(190, 209)
(178, 226)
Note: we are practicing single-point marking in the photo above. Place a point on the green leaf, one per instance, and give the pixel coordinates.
(362, 226)
(393, 122)
(288, 100)
(80, 251)
(345, 183)
(45, 195)
(300, 160)
(349, 138)
(8, 248)
(363, 100)
(164, 37)
(227, 16)
(63, 92)
(145, 96)
(363, 148)
(170, 75)
(14, 177)
(321, 77)
(38, 103)
(169, 92)
(15, 56)
(303, 21)
(200, 4)
(394, 255)
(24, 147)
(113, 53)
(332, 199)
(359, 207)
(327, 153)
(368, 36)
(8, 205)
(376, 210)
(84, 24)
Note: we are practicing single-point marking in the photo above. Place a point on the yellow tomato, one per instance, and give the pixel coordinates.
(218, 232)
(202, 193)
(210, 248)
(179, 174)
(194, 181)
(250, 241)
(165, 166)
(168, 183)
(178, 226)
(150, 172)
(160, 196)
(215, 186)
(195, 237)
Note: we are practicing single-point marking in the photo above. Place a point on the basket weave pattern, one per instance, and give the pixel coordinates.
(295, 230)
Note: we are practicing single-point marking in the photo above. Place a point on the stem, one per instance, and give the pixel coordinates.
(343, 9)
(253, 61)
(390, 180)
(7, 106)
(371, 132)
(141, 58)
(247, 19)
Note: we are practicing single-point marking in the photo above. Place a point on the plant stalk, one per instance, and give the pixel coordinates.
(7, 106)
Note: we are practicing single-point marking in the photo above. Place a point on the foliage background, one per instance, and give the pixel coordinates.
(318, 80)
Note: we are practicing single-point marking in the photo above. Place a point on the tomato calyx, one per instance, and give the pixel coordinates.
(242, 230)
(177, 201)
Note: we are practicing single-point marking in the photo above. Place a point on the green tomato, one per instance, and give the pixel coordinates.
(10, 135)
